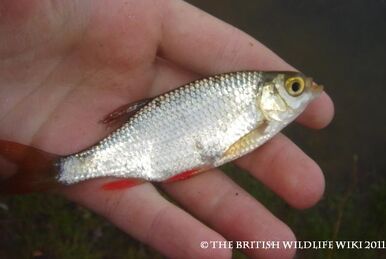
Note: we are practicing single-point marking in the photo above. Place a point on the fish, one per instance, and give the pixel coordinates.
(176, 135)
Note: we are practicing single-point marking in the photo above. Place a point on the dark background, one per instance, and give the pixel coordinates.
(342, 45)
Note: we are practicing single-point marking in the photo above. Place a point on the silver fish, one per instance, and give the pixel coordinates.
(198, 126)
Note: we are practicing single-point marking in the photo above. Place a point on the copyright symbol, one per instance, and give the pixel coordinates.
(204, 244)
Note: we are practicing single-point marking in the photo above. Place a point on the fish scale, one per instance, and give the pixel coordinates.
(201, 125)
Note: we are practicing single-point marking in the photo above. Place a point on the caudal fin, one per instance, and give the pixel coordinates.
(35, 169)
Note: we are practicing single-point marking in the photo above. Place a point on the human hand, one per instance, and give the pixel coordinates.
(65, 65)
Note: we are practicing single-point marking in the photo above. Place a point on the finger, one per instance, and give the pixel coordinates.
(143, 213)
(318, 113)
(215, 199)
(207, 45)
(287, 170)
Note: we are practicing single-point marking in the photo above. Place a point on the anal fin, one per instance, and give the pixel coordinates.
(121, 184)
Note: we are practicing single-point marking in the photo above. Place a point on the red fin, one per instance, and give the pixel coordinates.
(183, 176)
(35, 169)
(120, 184)
(125, 111)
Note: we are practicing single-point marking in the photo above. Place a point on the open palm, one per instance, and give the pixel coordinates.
(64, 65)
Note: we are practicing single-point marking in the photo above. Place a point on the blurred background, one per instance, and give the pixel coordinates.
(342, 44)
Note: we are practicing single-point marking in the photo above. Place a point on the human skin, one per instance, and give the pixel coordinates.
(64, 65)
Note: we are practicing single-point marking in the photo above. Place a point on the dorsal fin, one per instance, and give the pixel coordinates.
(124, 112)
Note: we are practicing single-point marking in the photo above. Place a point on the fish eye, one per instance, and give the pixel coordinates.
(295, 86)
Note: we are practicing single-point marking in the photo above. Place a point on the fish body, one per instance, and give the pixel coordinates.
(198, 126)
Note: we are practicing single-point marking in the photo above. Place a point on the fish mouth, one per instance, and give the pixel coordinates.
(317, 89)
(314, 87)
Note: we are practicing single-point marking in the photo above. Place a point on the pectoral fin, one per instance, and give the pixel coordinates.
(244, 144)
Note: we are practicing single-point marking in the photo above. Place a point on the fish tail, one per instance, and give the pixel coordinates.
(34, 170)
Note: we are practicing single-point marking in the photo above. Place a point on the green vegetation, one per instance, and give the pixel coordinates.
(363, 216)
(42, 226)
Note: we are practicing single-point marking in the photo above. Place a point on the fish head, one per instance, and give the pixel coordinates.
(286, 94)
